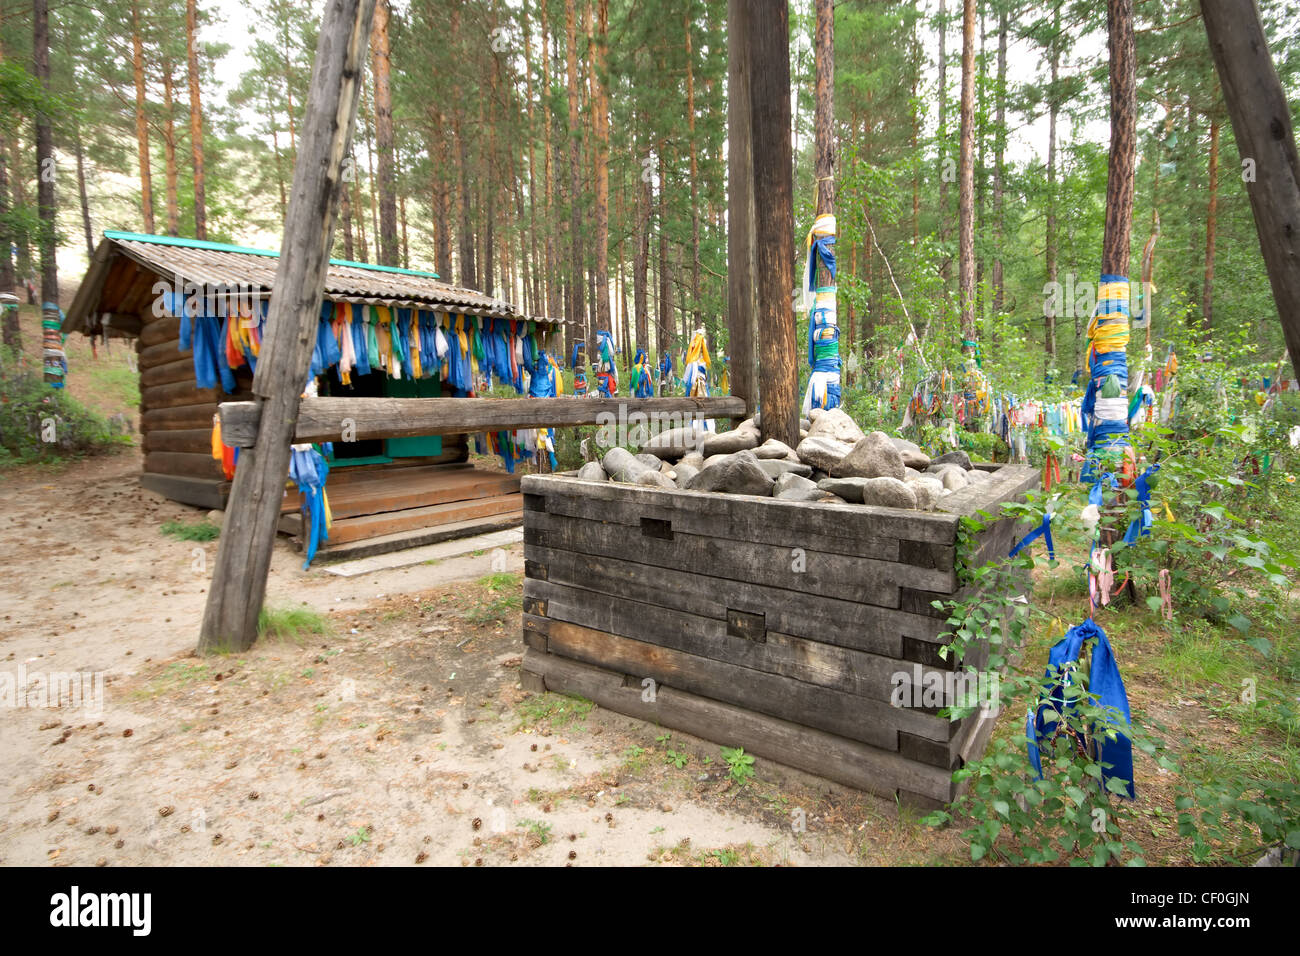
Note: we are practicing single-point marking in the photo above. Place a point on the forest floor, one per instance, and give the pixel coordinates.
(392, 728)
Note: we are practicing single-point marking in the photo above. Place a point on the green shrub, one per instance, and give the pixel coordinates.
(39, 423)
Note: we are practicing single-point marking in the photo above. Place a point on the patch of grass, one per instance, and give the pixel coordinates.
(361, 836)
(294, 624)
(116, 381)
(541, 831)
(177, 674)
(559, 710)
(198, 531)
(634, 759)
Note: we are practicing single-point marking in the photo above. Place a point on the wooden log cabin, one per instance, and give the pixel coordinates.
(384, 494)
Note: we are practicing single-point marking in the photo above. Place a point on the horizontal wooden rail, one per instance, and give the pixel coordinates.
(325, 419)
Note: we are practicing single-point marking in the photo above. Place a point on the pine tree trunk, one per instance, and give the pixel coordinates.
(1049, 316)
(141, 121)
(695, 179)
(824, 107)
(577, 307)
(196, 120)
(1000, 134)
(601, 123)
(169, 152)
(966, 181)
(1123, 129)
(641, 257)
(665, 287)
(741, 307)
(45, 203)
(945, 267)
(381, 68)
(83, 195)
(1211, 224)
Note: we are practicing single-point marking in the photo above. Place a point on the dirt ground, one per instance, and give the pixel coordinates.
(400, 736)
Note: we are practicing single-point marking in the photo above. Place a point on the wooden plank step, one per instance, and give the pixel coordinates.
(403, 495)
(398, 541)
(350, 474)
(397, 491)
(372, 526)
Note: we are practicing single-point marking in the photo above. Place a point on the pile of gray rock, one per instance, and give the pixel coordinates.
(835, 461)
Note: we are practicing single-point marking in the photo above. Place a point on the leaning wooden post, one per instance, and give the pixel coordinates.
(244, 554)
(1261, 124)
(740, 212)
(768, 42)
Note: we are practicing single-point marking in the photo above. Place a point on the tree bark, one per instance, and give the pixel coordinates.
(141, 121)
(824, 107)
(740, 210)
(196, 120)
(171, 172)
(600, 122)
(1049, 316)
(966, 181)
(1000, 140)
(577, 308)
(769, 60)
(381, 68)
(45, 204)
(1123, 138)
(1211, 217)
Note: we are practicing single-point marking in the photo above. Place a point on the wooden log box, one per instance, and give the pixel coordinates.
(804, 632)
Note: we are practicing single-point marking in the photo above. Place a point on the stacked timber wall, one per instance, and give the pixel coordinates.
(773, 625)
(176, 417)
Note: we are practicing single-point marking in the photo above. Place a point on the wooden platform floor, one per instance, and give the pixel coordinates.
(392, 507)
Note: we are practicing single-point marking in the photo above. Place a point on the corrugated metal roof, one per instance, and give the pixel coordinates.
(215, 265)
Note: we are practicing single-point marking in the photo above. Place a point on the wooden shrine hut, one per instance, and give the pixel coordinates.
(384, 493)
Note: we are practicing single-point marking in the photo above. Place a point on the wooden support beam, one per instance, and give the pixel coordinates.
(1261, 125)
(327, 419)
(244, 555)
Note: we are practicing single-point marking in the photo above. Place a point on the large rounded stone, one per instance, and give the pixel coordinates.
(621, 465)
(773, 448)
(675, 442)
(927, 489)
(954, 479)
(958, 457)
(728, 443)
(653, 462)
(873, 457)
(592, 471)
(791, 482)
(913, 457)
(887, 493)
(835, 423)
(682, 473)
(655, 479)
(737, 474)
(776, 467)
(822, 452)
(850, 489)
(976, 476)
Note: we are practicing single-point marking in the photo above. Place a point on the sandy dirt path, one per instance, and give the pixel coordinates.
(399, 737)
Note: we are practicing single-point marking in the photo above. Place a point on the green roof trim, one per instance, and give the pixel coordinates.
(248, 250)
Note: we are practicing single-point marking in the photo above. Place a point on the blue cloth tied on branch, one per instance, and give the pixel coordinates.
(1105, 687)
(1043, 531)
(1141, 525)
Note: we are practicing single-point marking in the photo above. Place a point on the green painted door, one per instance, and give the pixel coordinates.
(417, 446)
